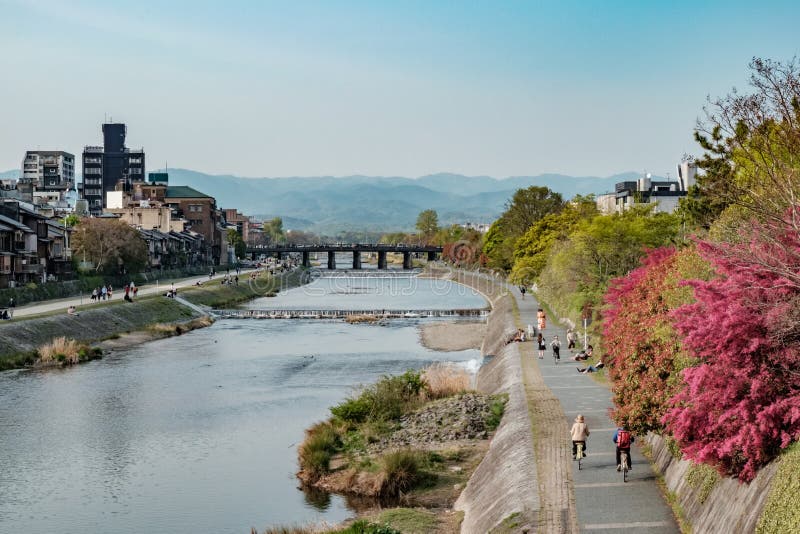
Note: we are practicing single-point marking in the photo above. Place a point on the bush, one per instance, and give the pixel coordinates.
(365, 527)
(782, 511)
(319, 445)
(386, 400)
(497, 407)
(61, 350)
(400, 470)
(443, 380)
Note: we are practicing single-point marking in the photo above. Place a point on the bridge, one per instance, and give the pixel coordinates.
(354, 248)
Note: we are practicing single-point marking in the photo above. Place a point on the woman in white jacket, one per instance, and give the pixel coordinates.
(579, 433)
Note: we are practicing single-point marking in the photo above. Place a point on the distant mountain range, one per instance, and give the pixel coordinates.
(329, 204)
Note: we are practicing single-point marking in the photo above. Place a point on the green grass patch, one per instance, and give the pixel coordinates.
(363, 526)
(408, 520)
(782, 511)
(497, 405)
(703, 477)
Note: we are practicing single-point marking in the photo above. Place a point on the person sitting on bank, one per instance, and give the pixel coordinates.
(71, 311)
(584, 354)
(592, 368)
(5, 314)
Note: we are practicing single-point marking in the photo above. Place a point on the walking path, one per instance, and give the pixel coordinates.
(46, 306)
(594, 499)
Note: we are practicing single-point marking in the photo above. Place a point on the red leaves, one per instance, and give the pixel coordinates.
(740, 405)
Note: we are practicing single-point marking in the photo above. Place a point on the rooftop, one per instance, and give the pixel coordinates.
(184, 191)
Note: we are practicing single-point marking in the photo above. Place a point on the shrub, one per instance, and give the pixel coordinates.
(739, 407)
(704, 477)
(319, 445)
(782, 510)
(400, 470)
(386, 400)
(363, 526)
(443, 380)
(497, 406)
(61, 350)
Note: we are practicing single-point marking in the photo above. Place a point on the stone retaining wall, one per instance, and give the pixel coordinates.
(729, 507)
(503, 491)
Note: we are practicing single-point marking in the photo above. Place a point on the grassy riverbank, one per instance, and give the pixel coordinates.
(412, 439)
(117, 324)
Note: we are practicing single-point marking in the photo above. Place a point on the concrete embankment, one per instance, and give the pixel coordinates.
(104, 323)
(710, 503)
(503, 491)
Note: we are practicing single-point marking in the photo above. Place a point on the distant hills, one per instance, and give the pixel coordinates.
(379, 203)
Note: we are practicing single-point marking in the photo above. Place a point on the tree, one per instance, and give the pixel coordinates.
(428, 223)
(752, 148)
(109, 244)
(273, 229)
(528, 206)
(741, 405)
(239, 246)
(532, 249)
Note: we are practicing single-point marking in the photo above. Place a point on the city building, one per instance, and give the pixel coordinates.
(49, 170)
(663, 194)
(203, 217)
(109, 167)
(33, 248)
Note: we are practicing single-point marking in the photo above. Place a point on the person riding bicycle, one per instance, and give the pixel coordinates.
(579, 433)
(623, 439)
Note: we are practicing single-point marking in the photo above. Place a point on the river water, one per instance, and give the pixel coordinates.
(198, 433)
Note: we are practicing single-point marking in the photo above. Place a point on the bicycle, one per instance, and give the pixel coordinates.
(623, 457)
(579, 455)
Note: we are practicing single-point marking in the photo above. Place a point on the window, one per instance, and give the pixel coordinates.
(92, 170)
(135, 170)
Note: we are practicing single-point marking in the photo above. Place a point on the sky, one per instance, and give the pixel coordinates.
(496, 88)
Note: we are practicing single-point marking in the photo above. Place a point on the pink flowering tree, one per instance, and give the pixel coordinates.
(741, 404)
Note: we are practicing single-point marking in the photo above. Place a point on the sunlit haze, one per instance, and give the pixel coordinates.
(377, 88)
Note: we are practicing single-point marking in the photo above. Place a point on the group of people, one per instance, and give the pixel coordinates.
(103, 292)
(622, 438)
(228, 280)
(130, 291)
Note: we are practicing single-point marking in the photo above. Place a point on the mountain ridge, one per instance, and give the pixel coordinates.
(382, 203)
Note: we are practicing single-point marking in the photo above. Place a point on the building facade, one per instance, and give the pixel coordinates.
(665, 195)
(49, 170)
(109, 167)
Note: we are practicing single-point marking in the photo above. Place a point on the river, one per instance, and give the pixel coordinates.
(198, 433)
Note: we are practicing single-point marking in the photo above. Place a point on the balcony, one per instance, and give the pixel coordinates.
(30, 268)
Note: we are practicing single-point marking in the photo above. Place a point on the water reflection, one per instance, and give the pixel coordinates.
(196, 433)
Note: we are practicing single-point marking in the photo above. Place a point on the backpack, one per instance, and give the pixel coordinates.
(624, 439)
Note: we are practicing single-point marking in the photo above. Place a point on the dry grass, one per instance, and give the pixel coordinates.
(60, 350)
(167, 329)
(442, 380)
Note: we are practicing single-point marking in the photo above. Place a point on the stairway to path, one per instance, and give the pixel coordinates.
(594, 499)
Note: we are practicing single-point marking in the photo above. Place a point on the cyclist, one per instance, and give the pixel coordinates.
(579, 433)
(623, 439)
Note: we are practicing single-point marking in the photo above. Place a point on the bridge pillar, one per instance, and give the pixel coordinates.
(306, 259)
(431, 256)
(381, 259)
(356, 259)
(407, 260)
(331, 260)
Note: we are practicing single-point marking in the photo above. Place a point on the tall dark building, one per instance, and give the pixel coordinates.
(111, 166)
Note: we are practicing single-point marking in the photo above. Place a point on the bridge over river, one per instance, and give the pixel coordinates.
(354, 248)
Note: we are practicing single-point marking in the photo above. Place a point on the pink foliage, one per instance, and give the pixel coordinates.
(741, 405)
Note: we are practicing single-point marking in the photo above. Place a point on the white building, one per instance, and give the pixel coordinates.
(49, 170)
(664, 194)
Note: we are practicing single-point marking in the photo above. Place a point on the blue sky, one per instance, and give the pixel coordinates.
(384, 88)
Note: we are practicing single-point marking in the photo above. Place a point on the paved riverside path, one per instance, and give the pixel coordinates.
(46, 306)
(603, 502)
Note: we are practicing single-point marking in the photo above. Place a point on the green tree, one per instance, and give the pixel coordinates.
(428, 223)
(273, 229)
(533, 248)
(110, 245)
(239, 246)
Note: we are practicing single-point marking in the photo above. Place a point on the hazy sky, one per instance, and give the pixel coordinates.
(389, 88)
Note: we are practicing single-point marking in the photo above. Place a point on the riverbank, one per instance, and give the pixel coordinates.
(118, 324)
(451, 337)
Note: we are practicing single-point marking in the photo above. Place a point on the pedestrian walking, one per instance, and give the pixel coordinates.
(104, 292)
(94, 295)
(541, 319)
(540, 341)
(531, 331)
(11, 303)
(571, 337)
(522, 290)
